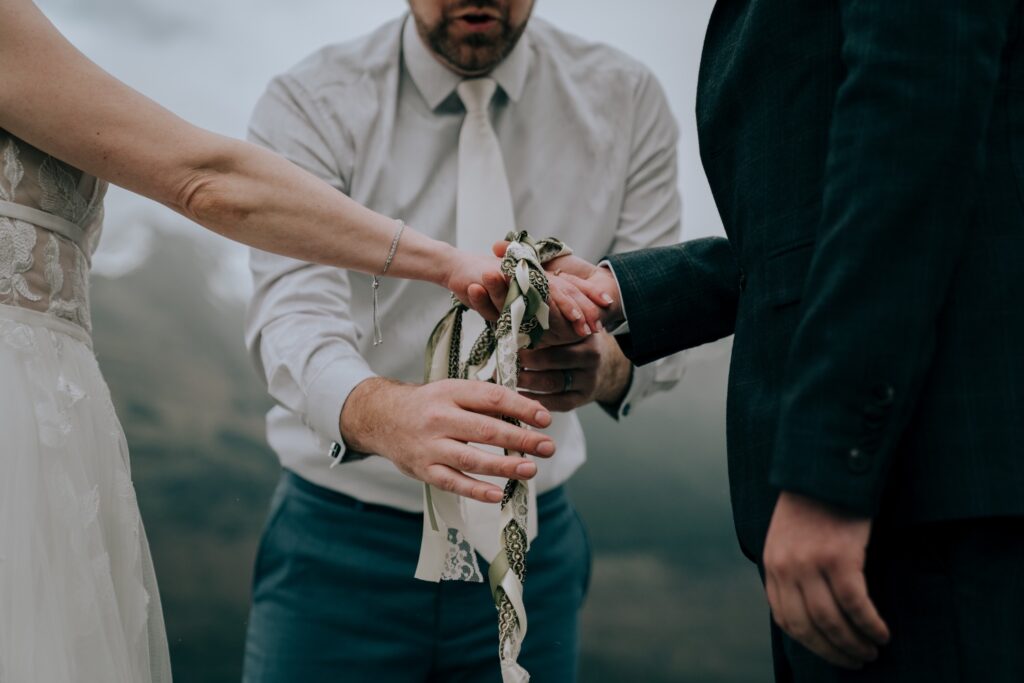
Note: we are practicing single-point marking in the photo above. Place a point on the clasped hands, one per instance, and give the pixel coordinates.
(814, 554)
(429, 431)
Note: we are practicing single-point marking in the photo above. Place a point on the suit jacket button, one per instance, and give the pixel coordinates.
(857, 461)
(743, 280)
(884, 395)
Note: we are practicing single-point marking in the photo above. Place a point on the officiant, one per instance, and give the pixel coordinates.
(465, 120)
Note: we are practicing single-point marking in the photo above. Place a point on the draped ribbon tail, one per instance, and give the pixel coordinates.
(512, 672)
(445, 551)
(446, 335)
(434, 543)
(447, 534)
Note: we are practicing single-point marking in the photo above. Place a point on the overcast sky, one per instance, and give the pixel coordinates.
(209, 60)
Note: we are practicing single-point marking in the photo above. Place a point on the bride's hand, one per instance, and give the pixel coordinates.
(476, 281)
(578, 302)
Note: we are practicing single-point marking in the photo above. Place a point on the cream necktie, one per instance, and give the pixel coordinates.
(483, 209)
(484, 215)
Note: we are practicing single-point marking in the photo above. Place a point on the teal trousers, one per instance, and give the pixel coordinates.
(335, 599)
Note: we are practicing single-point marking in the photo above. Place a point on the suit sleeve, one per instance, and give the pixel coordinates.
(651, 216)
(906, 146)
(676, 297)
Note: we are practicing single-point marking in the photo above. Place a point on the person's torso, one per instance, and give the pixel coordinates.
(769, 78)
(566, 149)
(50, 221)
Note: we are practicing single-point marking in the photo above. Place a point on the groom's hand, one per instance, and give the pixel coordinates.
(581, 301)
(425, 430)
(566, 377)
(814, 570)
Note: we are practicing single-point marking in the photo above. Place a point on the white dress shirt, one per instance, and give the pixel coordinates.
(589, 146)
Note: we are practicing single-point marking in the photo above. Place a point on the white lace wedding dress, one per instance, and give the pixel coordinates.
(78, 598)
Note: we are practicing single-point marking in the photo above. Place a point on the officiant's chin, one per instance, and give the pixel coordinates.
(471, 37)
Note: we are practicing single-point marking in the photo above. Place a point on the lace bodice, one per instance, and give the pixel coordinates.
(50, 221)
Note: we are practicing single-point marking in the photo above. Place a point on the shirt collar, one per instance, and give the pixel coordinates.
(436, 82)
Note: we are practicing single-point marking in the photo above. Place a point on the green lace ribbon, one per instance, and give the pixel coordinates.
(521, 324)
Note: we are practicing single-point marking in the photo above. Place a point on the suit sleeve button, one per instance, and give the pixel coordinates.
(858, 461)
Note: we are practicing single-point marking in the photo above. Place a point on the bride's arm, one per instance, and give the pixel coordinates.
(59, 101)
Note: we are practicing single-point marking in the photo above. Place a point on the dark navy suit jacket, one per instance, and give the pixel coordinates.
(867, 159)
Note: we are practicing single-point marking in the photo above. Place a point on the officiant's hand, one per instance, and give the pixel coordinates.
(814, 574)
(566, 377)
(425, 430)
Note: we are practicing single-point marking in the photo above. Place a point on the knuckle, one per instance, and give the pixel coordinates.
(494, 395)
(803, 562)
(527, 441)
(831, 558)
(465, 461)
(447, 482)
(831, 628)
(847, 595)
(799, 630)
(431, 415)
(778, 565)
(486, 432)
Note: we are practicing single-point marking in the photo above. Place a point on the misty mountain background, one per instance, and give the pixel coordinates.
(671, 598)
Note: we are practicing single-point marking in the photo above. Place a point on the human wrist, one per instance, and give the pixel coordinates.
(365, 418)
(619, 379)
(419, 257)
(440, 260)
(613, 315)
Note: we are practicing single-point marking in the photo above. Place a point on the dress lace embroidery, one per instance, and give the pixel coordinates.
(39, 269)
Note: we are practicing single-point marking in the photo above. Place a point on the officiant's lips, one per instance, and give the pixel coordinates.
(478, 20)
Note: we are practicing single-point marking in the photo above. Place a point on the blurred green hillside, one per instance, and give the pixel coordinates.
(671, 598)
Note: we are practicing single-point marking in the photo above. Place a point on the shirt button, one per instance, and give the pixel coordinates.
(625, 409)
(858, 461)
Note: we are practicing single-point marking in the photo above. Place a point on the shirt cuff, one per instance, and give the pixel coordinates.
(623, 327)
(640, 386)
(327, 395)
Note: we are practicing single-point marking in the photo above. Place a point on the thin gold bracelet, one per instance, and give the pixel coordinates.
(378, 337)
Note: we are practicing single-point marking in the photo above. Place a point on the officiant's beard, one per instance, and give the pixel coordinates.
(474, 54)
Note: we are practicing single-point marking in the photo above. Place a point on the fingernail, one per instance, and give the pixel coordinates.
(494, 495)
(587, 330)
(546, 448)
(542, 416)
(607, 298)
(599, 325)
(577, 314)
(527, 469)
